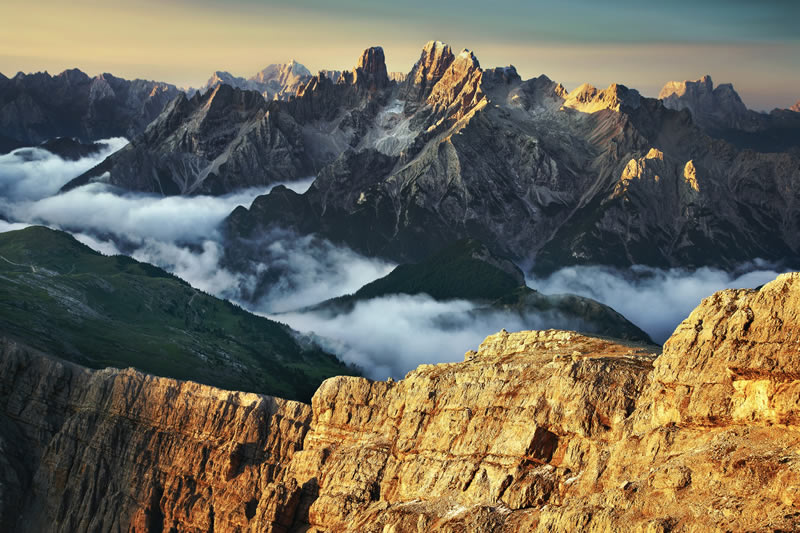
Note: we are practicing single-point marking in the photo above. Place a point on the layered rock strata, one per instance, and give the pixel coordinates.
(536, 431)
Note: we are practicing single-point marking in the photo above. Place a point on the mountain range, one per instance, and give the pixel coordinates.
(544, 176)
(276, 81)
(39, 107)
(721, 113)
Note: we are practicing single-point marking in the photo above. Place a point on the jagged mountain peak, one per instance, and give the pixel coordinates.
(459, 89)
(433, 62)
(432, 46)
(222, 76)
(370, 71)
(795, 107)
(589, 99)
(703, 85)
(469, 55)
(281, 72)
(713, 108)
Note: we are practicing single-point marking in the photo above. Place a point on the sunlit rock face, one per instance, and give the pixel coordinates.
(118, 450)
(534, 431)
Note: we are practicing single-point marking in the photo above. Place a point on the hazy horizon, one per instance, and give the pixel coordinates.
(755, 47)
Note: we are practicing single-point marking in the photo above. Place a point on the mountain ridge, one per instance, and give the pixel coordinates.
(39, 107)
(66, 299)
(553, 198)
(467, 270)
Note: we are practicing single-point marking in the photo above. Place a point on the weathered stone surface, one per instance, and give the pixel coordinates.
(119, 450)
(534, 431)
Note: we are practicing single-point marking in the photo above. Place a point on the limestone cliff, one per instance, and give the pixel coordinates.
(536, 431)
(118, 450)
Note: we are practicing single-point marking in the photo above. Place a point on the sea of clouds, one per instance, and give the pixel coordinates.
(386, 336)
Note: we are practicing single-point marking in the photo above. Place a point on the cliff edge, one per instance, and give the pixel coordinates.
(534, 431)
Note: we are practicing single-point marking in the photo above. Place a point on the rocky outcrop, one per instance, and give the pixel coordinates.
(534, 431)
(370, 72)
(38, 107)
(119, 450)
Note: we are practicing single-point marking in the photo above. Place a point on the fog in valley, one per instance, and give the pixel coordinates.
(386, 336)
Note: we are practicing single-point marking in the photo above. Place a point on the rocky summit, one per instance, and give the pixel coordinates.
(534, 431)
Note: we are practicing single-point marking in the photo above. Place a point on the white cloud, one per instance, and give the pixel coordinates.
(656, 300)
(392, 335)
(11, 226)
(386, 336)
(102, 209)
(34, 173)
(307, 269)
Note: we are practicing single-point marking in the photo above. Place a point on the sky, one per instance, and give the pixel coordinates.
(640, 43)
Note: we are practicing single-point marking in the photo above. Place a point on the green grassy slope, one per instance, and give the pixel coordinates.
(62, 297)
(467, 270)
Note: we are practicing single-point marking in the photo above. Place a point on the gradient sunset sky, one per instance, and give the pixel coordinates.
(640, 43)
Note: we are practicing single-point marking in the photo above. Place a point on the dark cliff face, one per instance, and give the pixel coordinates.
(223, 140)
(38, 107)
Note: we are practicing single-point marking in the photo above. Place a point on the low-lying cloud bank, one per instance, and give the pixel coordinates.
(392, 335)
(34, 173)
(387, 336)
(178, 233)
(656, 300)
